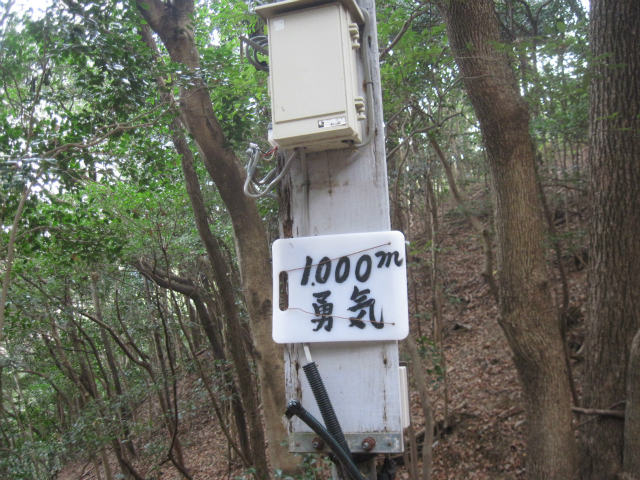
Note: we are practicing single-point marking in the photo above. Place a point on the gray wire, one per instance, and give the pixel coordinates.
(251, 186)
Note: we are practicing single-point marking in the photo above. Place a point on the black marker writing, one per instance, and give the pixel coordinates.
(323, 310)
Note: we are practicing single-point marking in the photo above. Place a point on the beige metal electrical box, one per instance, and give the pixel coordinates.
(314, 82)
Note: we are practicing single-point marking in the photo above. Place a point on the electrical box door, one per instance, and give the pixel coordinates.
(314, 86)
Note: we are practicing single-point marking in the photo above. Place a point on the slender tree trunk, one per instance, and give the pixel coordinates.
(206, 310)
(105, 463)
(248, 395)
(564, 305)
(232, 332)
(86, 373)
(125, 411)
(165, 400)
(194, 327)
(613, 314)
(27, 429)
(172, 22)
(86, 383)
(421, 384)
(8, 262)
(527, 313)
(96, 466)
(436, 287)
(206, 381)
(165, 362)
(397, 217)
(475, 222)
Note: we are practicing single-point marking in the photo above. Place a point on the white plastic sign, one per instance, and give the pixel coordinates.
(340, 288)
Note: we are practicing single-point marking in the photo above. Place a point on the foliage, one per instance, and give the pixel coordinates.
(83, 121)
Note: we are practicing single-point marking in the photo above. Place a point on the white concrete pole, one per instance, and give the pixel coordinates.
(345, 191)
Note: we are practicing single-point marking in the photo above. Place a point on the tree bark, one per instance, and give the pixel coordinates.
(235, 343)
(172, 22)
(613, 314)
(527, 314)
(631, 454)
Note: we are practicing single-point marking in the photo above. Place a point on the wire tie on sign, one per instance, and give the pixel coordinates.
(331, 315)
(337, 258)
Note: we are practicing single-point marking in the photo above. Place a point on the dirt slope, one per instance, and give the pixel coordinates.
(484, 435)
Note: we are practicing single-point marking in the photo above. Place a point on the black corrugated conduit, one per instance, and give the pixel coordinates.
(324, 404)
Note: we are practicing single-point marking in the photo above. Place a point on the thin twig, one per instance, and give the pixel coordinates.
(599, 411)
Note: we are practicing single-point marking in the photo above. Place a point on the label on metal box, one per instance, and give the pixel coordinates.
(332, 122)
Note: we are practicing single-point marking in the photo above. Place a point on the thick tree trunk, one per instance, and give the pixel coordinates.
(527, 313)
(172, 22)
(613, 314)
(235, 342)
(631, 454)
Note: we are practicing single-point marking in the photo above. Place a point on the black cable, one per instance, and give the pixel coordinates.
(295, 408)
(257, 44)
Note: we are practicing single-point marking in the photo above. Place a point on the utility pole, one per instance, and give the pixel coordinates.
(333, 192)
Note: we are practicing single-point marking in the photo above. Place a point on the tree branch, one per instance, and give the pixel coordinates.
(167, 280)
(6, 278)
(599, 411)
(400, 34)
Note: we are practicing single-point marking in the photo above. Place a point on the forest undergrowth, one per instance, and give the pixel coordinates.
(482, 436)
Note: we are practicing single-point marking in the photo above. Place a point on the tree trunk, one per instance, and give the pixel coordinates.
(631, 454)
(27, 429)
(172, 22)
(205, 309)
(427, 411)
(613, 314)
(8, 261)
(436, 295)
(194, 327)
(125, 411)
(527, 314)
(235, 403)
(232, 333)
(235, 343)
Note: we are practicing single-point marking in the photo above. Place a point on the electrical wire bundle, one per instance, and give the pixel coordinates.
(258, 44)
(259, 188)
